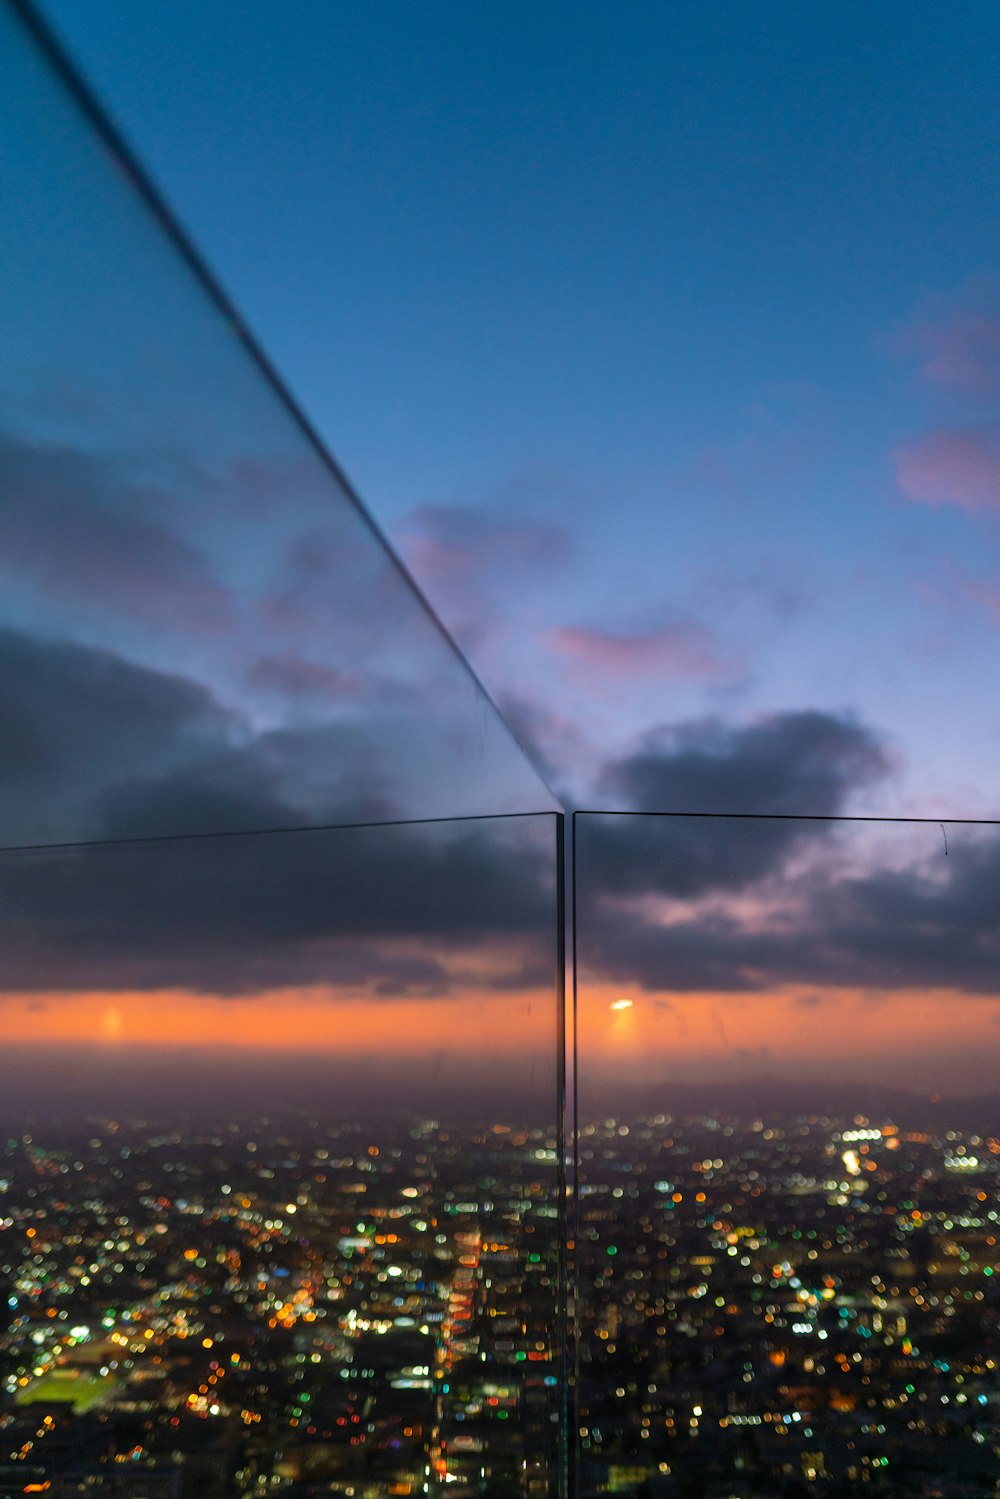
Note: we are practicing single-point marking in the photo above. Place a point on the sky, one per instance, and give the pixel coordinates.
(664, 346)
(665, 349)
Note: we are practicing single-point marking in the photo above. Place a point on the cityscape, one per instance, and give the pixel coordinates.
(780, 1304)
(279, 1308)
(498, 992)
(788, 1305)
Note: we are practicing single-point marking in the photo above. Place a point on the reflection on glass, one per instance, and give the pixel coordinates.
(789, 1156)
(200, 629)
(279, 1186)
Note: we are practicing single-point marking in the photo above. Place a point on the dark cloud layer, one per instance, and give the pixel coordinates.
(805, 764)
(75, 721)
(94, 746)
(79, 526)
(887, 929)
(921, 926)
(237, 915)
(393, 910)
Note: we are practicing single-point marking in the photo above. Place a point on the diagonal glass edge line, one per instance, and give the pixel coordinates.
(282, 832)
(99, 120)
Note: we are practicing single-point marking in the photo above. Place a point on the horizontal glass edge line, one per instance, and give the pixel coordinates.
(406, 822)
(933, 822)
(284, 832)
(89, 104)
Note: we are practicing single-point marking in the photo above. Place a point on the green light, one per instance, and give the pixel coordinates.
(520, 1357)
(612, 1249)
(988, 1270)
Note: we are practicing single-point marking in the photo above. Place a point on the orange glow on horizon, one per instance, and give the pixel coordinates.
(286, 1020)
(925, 1041)
(916, 1040)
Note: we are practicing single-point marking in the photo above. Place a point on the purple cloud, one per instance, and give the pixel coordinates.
(294, 676)
(957, 340)
(455, 550)
(684, 651)
(956, 466)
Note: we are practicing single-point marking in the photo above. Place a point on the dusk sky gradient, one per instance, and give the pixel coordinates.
(665, 348)
(664, 343)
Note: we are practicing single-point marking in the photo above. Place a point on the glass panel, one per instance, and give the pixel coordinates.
(200, 628)
(280, 1202)
(789, 1156)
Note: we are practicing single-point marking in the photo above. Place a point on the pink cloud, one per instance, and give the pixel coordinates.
(957, 340)
(952, 466)
(294, 676)
(451, 548)
(554, 740)
(966, 354)
(684, 652)
(983, 593)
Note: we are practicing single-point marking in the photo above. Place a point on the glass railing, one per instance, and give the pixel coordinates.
(788, 1154)
(201, 630)
(281, 914)
(288, 1204)
(280, 1174)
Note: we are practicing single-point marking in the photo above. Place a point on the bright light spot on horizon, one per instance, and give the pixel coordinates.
(113, 1024)
(621, 1004)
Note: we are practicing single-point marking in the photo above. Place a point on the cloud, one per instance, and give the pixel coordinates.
(965, 353)
(78, 526)
(426, 911)
(386, 911)
(983, 593)
(94, 746)
(889, 929)
(805, 764)
(957, 340)
(460, 555)
(74, 723)
(294, 676)
(554, 741)
(958, 466)
(684, 651)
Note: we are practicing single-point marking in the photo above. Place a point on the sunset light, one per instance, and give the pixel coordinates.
(499, 991)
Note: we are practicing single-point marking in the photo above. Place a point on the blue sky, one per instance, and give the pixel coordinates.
(665, 342)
